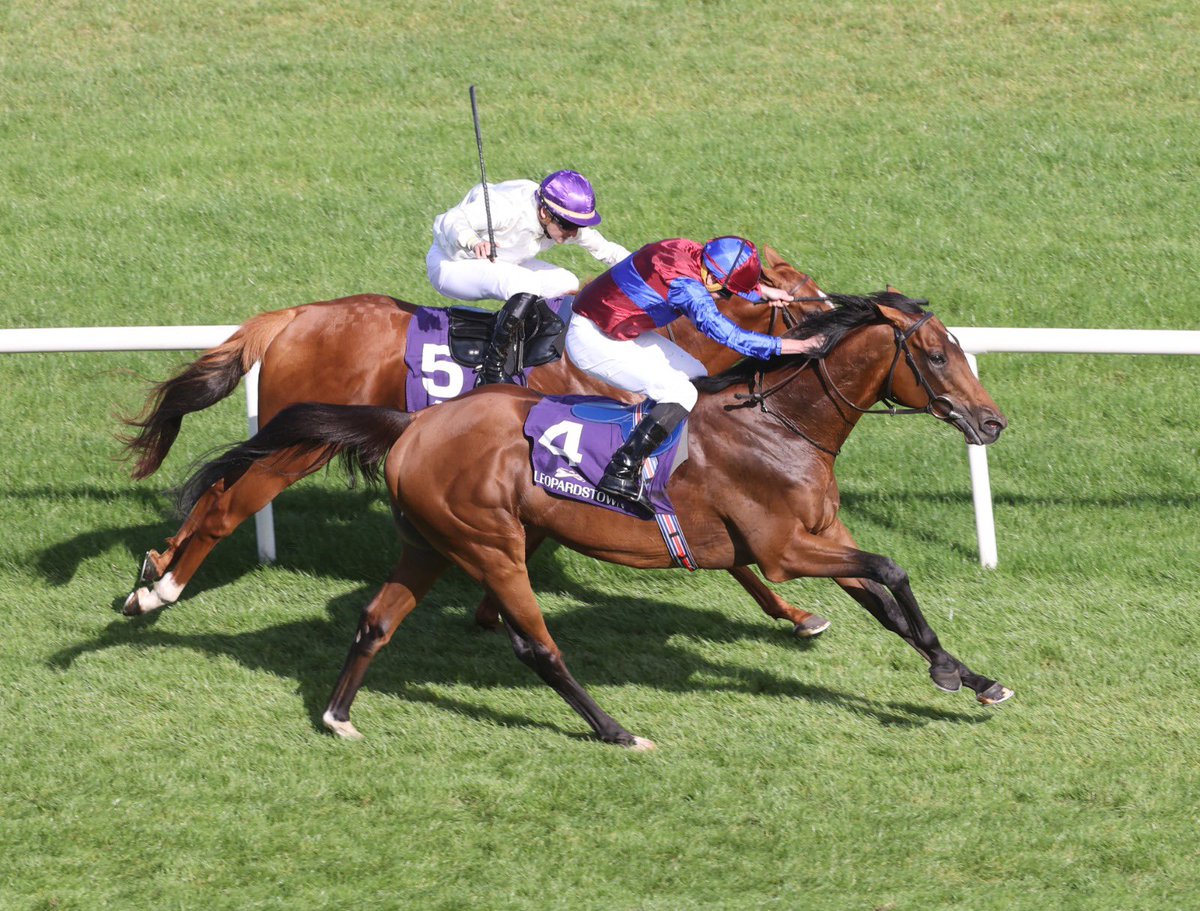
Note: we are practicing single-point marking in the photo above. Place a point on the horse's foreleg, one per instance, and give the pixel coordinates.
(890, 600)
(804, 624)
(216, 514)
(411, 579)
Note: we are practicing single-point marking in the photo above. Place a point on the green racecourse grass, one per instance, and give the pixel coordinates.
(1029, 164)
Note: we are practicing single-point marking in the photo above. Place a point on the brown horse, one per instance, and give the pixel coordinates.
(351, 352)
(758, 487)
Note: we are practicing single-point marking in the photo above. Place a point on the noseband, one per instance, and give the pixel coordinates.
(939, 406)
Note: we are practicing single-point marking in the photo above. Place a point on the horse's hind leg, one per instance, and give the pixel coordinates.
(216, 514)
(534, 647)
(804, 624)
(487, 614)
(411, 579)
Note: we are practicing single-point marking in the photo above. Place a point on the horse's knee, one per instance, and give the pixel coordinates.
(373, 634)
(524, 652)
(547, 663)
(887, 572)
(217, 521)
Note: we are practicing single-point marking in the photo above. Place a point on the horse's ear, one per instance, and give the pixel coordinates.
(771, 258)
(890, 314)
(778, 272)
(892, 289)
(900, 311)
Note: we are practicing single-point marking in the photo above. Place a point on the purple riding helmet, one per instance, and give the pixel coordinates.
(569, 196)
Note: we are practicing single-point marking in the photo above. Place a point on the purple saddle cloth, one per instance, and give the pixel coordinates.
(433, 376)
(574, 436)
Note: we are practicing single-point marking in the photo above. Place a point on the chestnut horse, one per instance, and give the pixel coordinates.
(351, 352)
(758, 487)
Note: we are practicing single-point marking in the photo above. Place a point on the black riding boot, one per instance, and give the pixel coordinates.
(508, 322)
(623, 476)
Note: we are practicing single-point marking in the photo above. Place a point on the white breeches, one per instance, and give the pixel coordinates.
(481, 279)
(650, 364)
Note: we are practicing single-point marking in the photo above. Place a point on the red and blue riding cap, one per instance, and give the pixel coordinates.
(733, 261)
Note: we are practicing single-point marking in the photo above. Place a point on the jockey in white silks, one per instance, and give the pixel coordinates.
(527, 219)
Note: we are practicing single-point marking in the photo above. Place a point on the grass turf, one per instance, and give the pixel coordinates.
(1025, 164)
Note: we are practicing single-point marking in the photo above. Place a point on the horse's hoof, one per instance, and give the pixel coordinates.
(994, 695)
(131, 608)
(343, 729)
(946, 679)
(642, 745)
(814, 625)
(149, 573)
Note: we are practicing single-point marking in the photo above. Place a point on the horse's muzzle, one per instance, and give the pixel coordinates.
(981, 428)
(984, 430)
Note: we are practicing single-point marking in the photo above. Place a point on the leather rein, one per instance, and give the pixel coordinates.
(938, 405)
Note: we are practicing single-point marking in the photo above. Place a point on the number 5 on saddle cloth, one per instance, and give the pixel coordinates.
(573, 438)
(446, 345)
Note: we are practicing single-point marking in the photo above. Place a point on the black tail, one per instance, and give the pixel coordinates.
(361, 434)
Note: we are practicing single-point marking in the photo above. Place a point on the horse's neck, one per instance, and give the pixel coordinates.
(858, 367)
(800, 404)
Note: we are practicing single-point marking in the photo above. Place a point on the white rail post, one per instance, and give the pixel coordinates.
(264, 519)
(981, 494)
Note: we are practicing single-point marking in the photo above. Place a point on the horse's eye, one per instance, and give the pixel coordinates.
(937, 359)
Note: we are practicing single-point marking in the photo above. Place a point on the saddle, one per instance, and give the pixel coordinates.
(539, 339)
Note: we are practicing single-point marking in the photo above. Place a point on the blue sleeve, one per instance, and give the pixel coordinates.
(691, 298)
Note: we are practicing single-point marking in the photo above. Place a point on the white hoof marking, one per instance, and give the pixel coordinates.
(148, 600)
(1005, 695)
(642, 745)
(168, 589)
(343, 729)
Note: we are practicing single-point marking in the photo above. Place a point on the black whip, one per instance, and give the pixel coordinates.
(487, 204)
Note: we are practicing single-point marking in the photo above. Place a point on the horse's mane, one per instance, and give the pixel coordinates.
(849, 312)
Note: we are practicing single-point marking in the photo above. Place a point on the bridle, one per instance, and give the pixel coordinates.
(789, 319)
(939, 406)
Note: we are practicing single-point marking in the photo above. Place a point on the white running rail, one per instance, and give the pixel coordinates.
(149, 338)
(975, 341)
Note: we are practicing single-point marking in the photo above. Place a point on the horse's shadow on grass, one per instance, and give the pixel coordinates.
(609, 640)
(348, 517)
(331, 515)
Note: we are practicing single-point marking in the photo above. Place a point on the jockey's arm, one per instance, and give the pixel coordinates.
(465, 226)
(599, 246)
(691, 298)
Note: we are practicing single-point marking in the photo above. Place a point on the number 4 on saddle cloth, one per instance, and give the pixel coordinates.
(574, 436)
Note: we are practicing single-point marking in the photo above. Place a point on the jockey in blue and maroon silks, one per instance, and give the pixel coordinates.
(610, 336)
